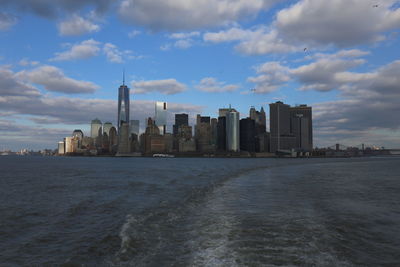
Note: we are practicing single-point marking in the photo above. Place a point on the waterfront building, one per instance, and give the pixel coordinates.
(187, 145)
(223, 112)
(180, 120)
(263, 142)
(214, 132)
(151, 140)
(123, 105)
(203, 134)
(71, 144)
(134, 126)
(79, 135)
(247, 135)
(202, 119)
(113, 139)
(301, 126)
(221, 134)
(232, 131)
(61, 148)
(95, 128)
(106, 128)
(123, 141)
(87, 142)
(291, 127)
(161, 116)
(259, 118)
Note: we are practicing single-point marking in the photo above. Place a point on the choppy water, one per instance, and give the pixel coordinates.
(199, 212)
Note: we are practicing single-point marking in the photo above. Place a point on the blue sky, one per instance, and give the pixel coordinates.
(61, 63)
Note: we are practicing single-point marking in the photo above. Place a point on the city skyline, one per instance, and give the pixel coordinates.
(243, 53)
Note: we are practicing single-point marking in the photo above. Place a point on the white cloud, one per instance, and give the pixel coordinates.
(54, 8)
(10, 85)
(26, 62)
(115, 55)
(189, 14)
(134, 33)
(76, 25)
(112, 53)
(322, 74)
(327, 72)
(253, 42)
(84, 50)
(184, 40)
(184, 35)
(7, 21)
(339, 22)
(271, 76)
(167, 87)
(53, 79)
(211, 85)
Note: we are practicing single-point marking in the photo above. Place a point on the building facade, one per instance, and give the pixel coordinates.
(161, 116)
(232, 131)
(123, 106)
(95, 127)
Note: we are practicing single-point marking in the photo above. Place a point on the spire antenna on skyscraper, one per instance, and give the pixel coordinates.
(123, 76)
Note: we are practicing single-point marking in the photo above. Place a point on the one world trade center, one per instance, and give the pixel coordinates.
(123, 105)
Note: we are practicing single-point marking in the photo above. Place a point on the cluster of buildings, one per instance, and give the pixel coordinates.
(227, 135)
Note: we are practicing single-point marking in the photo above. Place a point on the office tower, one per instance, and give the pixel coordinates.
(301, 126)
(291, 128)
(113, 139)
(95, 127)
(180, 120)
(106, 128)
(134, 126)
(224, 111)
(161, 116)
(203, 134)
(232, 131)
(248, 135)
(123, 140)
(214, 131)
(78, 134)
(279, 119)
(221, 134)
(259, 119)
(71, 144)
(123, 105)
(151, 141)
(61, 148)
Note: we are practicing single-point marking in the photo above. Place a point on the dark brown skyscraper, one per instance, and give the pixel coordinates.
(291, 127)
(301, 126)
(180, 120)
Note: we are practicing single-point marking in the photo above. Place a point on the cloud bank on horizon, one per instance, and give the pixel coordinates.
(61, 63)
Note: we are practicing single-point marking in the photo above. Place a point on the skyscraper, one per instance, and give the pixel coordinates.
(259, 119)
(123, 104)
(301, 126)
(134, 126)
(180, 120)
(232, 131)
(291, 127)
(161, 117)
(247, 135)
(95, 127)
(106, 128)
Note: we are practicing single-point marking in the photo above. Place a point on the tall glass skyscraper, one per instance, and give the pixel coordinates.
(161, 116)
(123, 105)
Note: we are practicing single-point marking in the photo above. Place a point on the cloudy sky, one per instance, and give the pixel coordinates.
(61, 62)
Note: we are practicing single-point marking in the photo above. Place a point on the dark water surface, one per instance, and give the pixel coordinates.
(199, 212)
